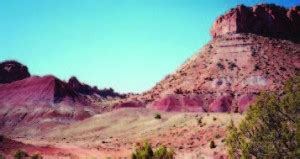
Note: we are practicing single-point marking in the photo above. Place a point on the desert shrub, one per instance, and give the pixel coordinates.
(146, 152)
(212, 144)
(163, 153)
(218, 136)
(214, 118)
(143, 152)
(232, 65)
(36, 156)
(269, 127)
(256, 67)
(157, 116)
(178, 91)
(200, 122)
(298, 136)
(21, 154)
(221, 66)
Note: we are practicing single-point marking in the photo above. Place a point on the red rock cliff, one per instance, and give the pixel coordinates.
(265, 19)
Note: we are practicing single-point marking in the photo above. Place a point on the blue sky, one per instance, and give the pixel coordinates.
(128, 45)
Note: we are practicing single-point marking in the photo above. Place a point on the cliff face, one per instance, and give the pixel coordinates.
(253, 49)
(265, 19)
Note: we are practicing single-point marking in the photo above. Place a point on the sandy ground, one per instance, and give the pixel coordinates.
(115, 134)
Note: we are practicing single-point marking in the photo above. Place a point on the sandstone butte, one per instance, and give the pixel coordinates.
(253, 49)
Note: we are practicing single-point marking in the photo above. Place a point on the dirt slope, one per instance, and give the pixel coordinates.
(115, 134)
(226, 73)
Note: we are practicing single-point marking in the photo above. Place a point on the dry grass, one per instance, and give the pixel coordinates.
(119, 130)
(115, 134)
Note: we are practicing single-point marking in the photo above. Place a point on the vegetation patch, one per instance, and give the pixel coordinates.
(269, 128)
(157, 116)
(200, 122)
(20, 154)
(36, 156)
(145, 151)
(212, 144)
(214, 118)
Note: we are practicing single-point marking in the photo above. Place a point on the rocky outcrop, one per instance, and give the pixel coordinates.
(265, 19)
(81, 87)
(191, 103)
(85, 89)
(17, 87)
(11, 71)
(39, 90)
(221, 104)
(109, 92)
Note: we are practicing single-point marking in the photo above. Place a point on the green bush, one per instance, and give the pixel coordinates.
(200, 122)
(157, 116)
(298, 136)
(36, 156)
(21, 154)
(2, 156)
(145, 151)
(269, 127)
(163, 152)
(212, 145)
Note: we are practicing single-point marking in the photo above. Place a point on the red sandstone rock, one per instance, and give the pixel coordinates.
(41, 103)
(192, 103)
(11, 71)
(38, 90)
(221, 104)
(245, 101)
(239, 64)
(265, 19)
(167, 103)
(129, 104)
